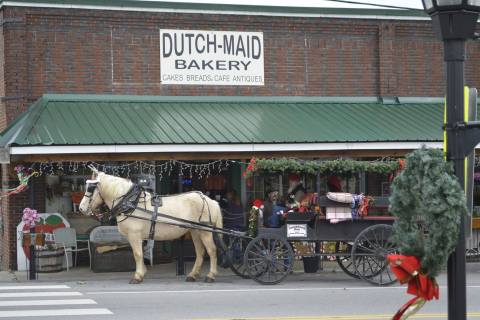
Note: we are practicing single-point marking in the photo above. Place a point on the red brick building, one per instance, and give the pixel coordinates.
(113, 47)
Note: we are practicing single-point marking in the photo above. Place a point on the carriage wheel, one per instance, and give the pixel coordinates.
(236, 252)
(369, 253)
(268, 259)
(345, 262)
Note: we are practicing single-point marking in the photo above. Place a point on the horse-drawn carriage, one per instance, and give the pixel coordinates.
(361, 245)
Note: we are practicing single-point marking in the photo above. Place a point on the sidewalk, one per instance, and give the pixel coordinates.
(163, 271)
(159, 271)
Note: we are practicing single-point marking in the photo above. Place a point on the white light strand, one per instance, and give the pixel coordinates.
(201, 170)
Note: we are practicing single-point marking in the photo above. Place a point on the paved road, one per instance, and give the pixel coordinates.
(320, 296)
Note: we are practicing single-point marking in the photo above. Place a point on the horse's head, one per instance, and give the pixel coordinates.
(92, 200)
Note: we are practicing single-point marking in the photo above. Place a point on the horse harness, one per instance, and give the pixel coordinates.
(129, 202)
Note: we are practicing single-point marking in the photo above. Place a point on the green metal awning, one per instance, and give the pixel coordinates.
(116, 124)
(76, 121)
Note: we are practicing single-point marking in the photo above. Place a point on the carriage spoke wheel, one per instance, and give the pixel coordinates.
(369, 255)
(268, 259)
(236, 252)
(345, 262)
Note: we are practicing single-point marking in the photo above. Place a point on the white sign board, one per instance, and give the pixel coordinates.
(296, 230)
(199, 57)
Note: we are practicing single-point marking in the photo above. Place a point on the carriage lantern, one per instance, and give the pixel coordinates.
(454, 22)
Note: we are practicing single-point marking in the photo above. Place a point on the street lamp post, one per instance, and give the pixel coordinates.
(454, 22)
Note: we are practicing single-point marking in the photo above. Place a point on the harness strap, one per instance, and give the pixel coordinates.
(128, 202)
(157, 202)
(183, 223)
(204, 201)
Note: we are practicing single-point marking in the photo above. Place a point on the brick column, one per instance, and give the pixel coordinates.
(14, 98)
(11, 212)
(387, 76)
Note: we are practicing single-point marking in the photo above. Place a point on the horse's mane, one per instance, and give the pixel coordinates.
(118, 186)
(183, 193)
(114, 186)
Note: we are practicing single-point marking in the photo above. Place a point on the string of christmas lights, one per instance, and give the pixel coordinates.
(199, 170)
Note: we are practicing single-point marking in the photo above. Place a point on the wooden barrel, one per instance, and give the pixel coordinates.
(49, 260)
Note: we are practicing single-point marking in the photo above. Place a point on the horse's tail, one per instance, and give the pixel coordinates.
(219, 222)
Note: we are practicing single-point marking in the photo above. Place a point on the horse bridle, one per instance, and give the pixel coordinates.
(89, 190)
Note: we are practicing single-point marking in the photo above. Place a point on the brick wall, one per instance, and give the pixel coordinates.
(81, 51)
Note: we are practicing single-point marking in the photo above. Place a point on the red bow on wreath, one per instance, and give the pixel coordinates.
(424, 288)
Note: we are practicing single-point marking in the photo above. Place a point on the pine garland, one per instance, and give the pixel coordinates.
(428, 202)
(334, 167)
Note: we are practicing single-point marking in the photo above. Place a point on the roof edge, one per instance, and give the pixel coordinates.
(236, 99)
(157, 6)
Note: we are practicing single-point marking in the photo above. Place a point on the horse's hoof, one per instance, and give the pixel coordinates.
(209, 280)
(135, 281)
(190, 279)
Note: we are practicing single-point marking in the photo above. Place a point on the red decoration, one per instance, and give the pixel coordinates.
(250, 167)
(364, 205)
(409, 308)
(257, 203)
(407, 269)
(402, 163)
(46, 225)
(334, 184)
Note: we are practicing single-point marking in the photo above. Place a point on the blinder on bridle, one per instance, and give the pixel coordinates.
(90, 189)
(91, 185)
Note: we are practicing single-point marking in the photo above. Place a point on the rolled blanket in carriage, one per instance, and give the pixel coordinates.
(343, 197)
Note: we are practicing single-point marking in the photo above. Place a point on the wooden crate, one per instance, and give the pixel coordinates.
(117, 260)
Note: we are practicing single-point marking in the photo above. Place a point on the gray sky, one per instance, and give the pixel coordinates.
(311, 3)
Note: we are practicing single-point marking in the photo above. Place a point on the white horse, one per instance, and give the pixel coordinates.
(191, 206)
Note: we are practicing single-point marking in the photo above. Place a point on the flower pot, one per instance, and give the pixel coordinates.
(310, 264)
(50, 260)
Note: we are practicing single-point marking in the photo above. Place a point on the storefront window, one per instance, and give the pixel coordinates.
(476, 192)
(377, 185)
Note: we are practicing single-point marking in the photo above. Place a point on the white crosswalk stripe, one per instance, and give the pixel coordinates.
(61, 286)
(36, 296)
(45, 302)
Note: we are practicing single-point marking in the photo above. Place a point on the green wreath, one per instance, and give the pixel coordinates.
(428, 203)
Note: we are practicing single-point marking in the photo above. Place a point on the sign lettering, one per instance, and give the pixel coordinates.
(211, 57)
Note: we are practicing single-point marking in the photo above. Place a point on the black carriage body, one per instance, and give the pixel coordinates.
(361, 245)
(322, 230)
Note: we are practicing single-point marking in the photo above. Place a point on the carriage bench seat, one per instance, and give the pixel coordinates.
(110, 250)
